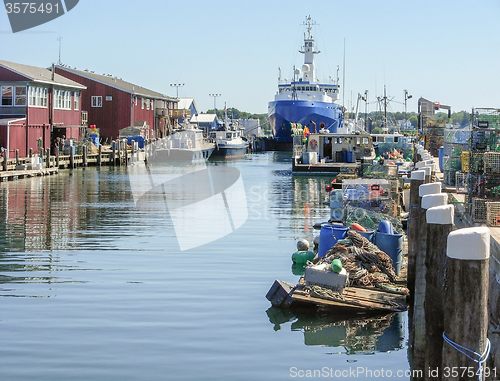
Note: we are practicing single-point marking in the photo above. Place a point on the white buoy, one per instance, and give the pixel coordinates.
(418, 175)
(435, 199)
(440, 215)
(469, 243)
(430, 188)
(302, 244)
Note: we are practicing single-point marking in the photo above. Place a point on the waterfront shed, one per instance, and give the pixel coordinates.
(114, 104)
(36, 106)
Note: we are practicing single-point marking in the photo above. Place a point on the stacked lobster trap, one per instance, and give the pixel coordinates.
(483, 177)
(456, 142)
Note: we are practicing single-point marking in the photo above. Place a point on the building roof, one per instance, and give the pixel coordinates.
(203, 118)
(185, 103)
(40, 75)
(118, 83)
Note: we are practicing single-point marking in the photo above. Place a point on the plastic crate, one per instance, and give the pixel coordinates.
(465, 161)
(478, 210)
(461, 182)
(493, 213)
(491, 162)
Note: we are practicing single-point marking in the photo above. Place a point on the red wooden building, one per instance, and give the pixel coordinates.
(114, 104)
(36, 107)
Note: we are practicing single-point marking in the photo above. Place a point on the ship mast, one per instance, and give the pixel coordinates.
(309, 52)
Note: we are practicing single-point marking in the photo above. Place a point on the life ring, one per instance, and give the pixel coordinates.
(313, 143)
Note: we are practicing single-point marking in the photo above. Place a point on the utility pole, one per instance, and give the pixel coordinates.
(177, 85)
(215, 99)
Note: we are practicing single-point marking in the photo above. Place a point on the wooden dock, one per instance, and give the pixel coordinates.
(44, 163)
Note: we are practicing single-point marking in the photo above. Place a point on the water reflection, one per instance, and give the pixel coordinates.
(64, 211)
(355, 335)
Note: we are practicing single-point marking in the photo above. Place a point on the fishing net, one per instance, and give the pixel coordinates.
(368, 218)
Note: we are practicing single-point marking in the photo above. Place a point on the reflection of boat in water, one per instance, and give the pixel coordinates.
(186, 145)
(228, 142)
(304, 99)
(357, 335)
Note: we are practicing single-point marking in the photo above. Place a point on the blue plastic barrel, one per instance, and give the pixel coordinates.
(441, 158)
(349, 157)
(344, 156)
(369, 234)
(329, 235)
(392, 245)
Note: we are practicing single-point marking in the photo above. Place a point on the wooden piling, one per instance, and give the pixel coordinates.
(99, 156)
(439, 226)
(47, 154)
(466, 299)
(57, 155)
(31, 153)
(417, 329)
(113, 156)
(84, 155)
(71, 158)
(5, 158)
(17, 157)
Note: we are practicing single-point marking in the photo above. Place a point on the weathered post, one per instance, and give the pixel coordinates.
(416, 179)
(439, 226)
(417, 329)
(113, 155)
(47, 153)
(17, 157)
(84, 155)
(126, 152)
(466, 303)
(119, 152)
(71, 158)
(99, 156)
(31, 153)
(5, 158)
(57, 155)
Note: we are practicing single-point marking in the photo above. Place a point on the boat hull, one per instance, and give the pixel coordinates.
(230, 151)
(282, 114)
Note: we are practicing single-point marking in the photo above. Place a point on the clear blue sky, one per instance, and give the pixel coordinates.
(446, 51)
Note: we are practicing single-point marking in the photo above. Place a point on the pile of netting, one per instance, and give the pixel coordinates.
(366, 264)
(369, 218)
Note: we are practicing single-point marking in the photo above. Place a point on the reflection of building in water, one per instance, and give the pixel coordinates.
(52, 213)
(356, 335)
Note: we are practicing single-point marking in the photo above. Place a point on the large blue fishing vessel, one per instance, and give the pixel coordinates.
(304, 99)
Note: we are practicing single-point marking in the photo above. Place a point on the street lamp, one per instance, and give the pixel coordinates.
(177, 85)
(215, 98)
(406, 98)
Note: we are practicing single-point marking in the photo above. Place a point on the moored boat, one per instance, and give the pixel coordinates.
(228, 142)
(304, 100)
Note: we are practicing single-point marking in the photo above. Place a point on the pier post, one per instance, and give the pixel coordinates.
(84, 155)
(99, 156)
(126, 152)
(31, 153)
(71, 158)
(113, 155)
(466, 300)
(47, 153)
(417, 329)
(119, 152)
(17, 157)
(416, 179)
(5, 158)
(57, 155)
(439, 226)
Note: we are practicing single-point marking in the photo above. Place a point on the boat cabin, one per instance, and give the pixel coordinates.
(339, 148)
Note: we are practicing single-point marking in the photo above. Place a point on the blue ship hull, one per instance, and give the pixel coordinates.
(285, 112)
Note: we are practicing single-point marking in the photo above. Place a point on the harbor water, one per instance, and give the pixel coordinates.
(94, 288)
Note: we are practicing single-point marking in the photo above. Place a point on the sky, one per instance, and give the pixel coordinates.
(445, 51)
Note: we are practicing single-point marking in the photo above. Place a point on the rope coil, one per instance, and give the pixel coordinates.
(481, 358)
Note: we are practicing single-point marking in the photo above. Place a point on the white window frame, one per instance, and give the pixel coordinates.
(21, 96)
(142, 103)
(76, 100)
(96, 101)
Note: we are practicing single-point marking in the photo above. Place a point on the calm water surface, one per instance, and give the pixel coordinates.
(93, 289)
